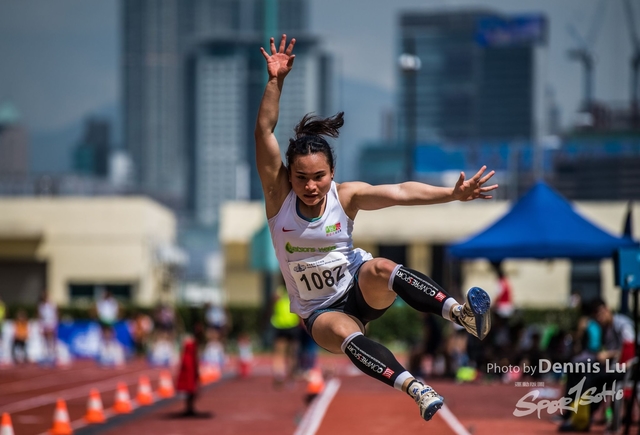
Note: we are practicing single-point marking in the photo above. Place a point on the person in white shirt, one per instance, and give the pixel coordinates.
(48, 316)
(108, 312)
(108, 309)
(335, 288)
(110, 352)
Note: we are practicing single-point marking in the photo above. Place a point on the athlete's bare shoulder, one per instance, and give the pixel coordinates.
(347, 192)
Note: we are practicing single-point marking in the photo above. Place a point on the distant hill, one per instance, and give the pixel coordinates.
(50, 151)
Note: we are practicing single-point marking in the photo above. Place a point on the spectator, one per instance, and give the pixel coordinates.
(617, 346)
(20, 336)
(218, 318)
(165, 319)
(503, 305)
(214, 353)
(107, 310)
(162, 348)
(456, 349)
(48, 316)
(427, 348)
(189, 376)
(307, 352)
(217, 321)
(287, 337)
(141, 327)
(161, 351)
(618, 336)
(245, 355)
(111, 352)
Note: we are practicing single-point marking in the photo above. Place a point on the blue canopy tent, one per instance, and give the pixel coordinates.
(542, 224)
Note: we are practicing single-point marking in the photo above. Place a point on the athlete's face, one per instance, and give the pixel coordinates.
(310, 177)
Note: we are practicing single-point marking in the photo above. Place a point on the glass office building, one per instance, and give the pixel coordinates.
(474, 78)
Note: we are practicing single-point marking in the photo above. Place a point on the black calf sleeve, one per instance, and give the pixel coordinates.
(420, 292)
(375, 360)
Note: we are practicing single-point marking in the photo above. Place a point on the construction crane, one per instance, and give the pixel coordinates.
(635, 63)
(583, 53)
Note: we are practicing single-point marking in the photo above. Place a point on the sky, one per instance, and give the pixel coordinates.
(59, 60)
(364, 34)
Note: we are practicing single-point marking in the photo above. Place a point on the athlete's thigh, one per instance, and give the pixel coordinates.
(373, 280)
(331, 328)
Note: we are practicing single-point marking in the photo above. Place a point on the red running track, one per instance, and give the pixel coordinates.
(253, 406)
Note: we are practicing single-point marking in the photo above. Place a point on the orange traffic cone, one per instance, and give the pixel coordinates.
(95, 411)
(165, 386)
(145, 395)
(122, 404)
(209, 373)
(315, 384)
(205, 374)
(217, 373)
(6, 428)
(61, 425)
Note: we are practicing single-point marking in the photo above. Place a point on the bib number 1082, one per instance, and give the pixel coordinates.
(319, 281)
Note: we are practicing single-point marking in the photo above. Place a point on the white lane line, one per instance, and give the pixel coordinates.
(451, 420)
(314, 415)
(34, 384)
(72, 393)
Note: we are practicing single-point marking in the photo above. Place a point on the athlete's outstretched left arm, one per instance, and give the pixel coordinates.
(362, 196)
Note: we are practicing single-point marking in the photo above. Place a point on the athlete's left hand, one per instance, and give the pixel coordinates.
(474, 187)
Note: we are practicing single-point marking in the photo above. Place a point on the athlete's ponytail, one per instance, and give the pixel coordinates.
(309, 137)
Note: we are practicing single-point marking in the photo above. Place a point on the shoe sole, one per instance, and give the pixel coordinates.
(432, 409)
(479, 302)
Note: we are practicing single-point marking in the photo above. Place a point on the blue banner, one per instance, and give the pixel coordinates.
(84, 336)
(513, 30)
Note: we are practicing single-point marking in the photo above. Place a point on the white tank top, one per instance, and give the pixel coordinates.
(317, 259)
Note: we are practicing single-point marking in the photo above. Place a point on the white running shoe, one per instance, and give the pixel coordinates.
(427, 399)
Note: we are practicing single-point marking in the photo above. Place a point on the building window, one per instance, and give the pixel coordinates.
(92, 291)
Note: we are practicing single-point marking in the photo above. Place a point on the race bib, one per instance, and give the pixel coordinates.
(320, 276)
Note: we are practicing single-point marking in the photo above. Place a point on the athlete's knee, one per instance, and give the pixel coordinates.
(382, 268)
(331, 331)
(343, 331)
(346, 340)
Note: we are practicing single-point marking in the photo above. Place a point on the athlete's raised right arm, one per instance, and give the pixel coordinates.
(272, 171)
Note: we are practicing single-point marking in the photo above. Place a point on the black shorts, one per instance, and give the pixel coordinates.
(351, 303)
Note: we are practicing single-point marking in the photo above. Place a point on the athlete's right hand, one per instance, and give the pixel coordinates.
(280, 62)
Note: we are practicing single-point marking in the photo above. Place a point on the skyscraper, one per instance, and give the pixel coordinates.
(153, 117)
(474, 78)
(219, 156)
(91, 155)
